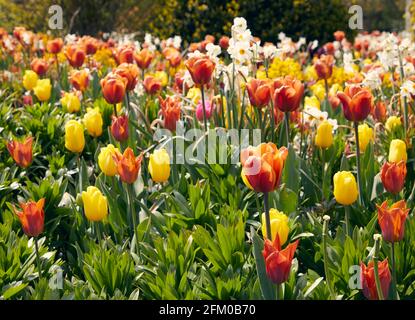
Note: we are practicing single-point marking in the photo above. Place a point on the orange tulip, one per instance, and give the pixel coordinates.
(288, 93)
(152, 85)
(40, 66)
(393, 176)
(278, 262)
(170, 110)
(113, 88)
(54, 46)
(128, 166)
(119, 128)
(32, 217)
(173, 56)
(75, 55)
(125, 55)
(143, 58)
(339, 35)
(324, 66)
(357, 102)
(224, 42)
(79, 79)
(130, 73)
(392, 220)
(21, 153)
(367, 278)
(379, 111)
(91, 44)
(262, 166)
(201, 69)
(259, 92)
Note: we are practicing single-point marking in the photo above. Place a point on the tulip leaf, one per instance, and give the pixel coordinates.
(288, 200)
(291, 175)
(377, 188)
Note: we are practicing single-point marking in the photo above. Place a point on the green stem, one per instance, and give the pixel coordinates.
(39, 267)
(272, 119)
(277, 291)
(376, 268)
(347, 219)
(287, 127)
(394, 290)
(132, 212)
(359, 181)
(204, 107)
(325, 256)
(326, 86)
(267, 217)
(323, 173)
(115, 110)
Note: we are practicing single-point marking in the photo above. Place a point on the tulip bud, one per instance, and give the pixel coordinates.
(201, 69)
(152, 85)
(130, 73)
(30, 79)
(21, 152)
(259, 92)
(143, 58)
(392, 220)
(43, 89)
(365, 136)
(159, 165)
(80, 79)
(40, 66)
(119, 128)
(170, 110)
(279, 225)
(106, 160)
(113, 88)
(95, 204)
(392, 123)
(224, 42)
(324, 66)
(393, 176)
(345, 188)
(27, 100)
(74, 136)
(71, 102)
(32, 217)
(367, 278)
(288, 94)
(397, 151)
(324, 136)
(54, 46)
(128, 166)
(208, 109)
(93, 122)
(75, 55)
(356, 102)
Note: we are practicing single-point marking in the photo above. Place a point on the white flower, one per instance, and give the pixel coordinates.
(372, 79)
(213, 51)
(139, 90)
(245, 36)
(147, 38)
(269, 51)
(70, 38)
(240, 51)
(301, 42)
(194, 54)
(239, 25)
(281, 36)
(177, 41)
(187, 79)
(314, 44)
(408, 89)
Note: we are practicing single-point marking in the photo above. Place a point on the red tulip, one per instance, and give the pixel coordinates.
(339, 35)
(75, 55)
(130, 73)
(125, 55)
(152, 85)
(224, 42)
(379, 111)
(54, 46)
(27, 100)
(173, 56)
(324, 66)
(128, 166)
(91, 44)
(32, 217)
(392, 220)
(40, 66)
(356, 102)
(22, 153)
(201, 69)
(113, 88)
(288, 94)
(393, 176)
(119, 128)
(143, 58)
(259, 92)
(367, 278)
(170, 110)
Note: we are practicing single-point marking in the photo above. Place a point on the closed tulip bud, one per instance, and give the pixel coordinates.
(356, 102)
(288, 94)
(159, 165)
(93, 122)
(70, 101)
(91, 45)
(379, 111)
(324, 66)
(54, 46)
(201, 69)
(397, 151)
(365, 136)
(143, 58)
(345, 188)
(173, 56)
(125, 55)
(130, 73)
(324, 136)
(27, 100)
(393, 176)
(80, 79)
(95, 204)
(259, 92)
(75, 55)
(392, 220)
(30, 79)
(113, 88)
(119, 128)
(74, 136)
(278, 262)
(128, 166)
(262, 166)
(224, 42)
(106, 160)
(279, 225)
(40, 66)
(367, 278)
(21, 152)
(199, 110)
(392, 123)
(152, 85)
(43, 89)
(32, 217)
(339, 35)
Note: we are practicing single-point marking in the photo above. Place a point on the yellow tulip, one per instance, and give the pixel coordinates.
(345, 188)
(159, 165)
(397, 151)
(365, 136)
(43, 89)
(74, 136)
(95, 204)
(319, 91)
(194, 94)
(324, 136)
(30, 79)
(392, 123)
(106, 161)
(93, 122)
(279, 225)
(71, 102)
(162, 76)
(312, 102)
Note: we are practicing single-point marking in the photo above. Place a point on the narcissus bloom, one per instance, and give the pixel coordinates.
(262, 166)
(93, 122)
(113, 88)
(128, 166)
(74, 136)
(143, 58)
(324, 136)
(95, 204)
(80, 79)
(40, 66)
(170, 111)
(365, 136)
(392, 123)
(259, 92)
(32, 217)
(345, 188)
(30, 79)
(367, 279)
(201, 69)
(21, 152)
(106, 160)
(152, 85)
(397, 151)
(324, 66)
(159, 165)
(356, 102)
(70, 101)
(119, 128)
(43, 89)
(392, 220)
(75, 55)
(279, 225)
(288, 93)
(393, 176)
(278, 262)
(128, 71)
(54, 46)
